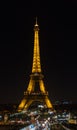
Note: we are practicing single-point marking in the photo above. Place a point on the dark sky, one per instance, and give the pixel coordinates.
(58, 38)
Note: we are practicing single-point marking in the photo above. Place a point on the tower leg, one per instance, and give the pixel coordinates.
(28, 104)
(48, 103)
(22, 104)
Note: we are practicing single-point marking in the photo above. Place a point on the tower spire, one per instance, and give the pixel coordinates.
(36, 67)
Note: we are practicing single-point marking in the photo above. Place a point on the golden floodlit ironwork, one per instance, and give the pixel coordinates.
(36, 90)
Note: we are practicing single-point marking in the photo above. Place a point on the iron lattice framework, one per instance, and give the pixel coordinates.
(36, 89)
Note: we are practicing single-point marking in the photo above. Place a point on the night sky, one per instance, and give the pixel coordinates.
(58, 40)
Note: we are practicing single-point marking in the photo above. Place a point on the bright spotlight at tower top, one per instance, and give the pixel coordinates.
(36, 22)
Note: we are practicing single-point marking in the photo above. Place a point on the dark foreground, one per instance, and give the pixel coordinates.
(11, 127)
(54, 127)
(19, 127)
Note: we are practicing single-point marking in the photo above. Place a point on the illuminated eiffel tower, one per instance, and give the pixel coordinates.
(36, 89)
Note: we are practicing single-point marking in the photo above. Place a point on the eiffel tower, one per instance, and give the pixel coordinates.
(36, 89)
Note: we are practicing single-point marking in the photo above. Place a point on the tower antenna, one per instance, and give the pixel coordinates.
(36, 20)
